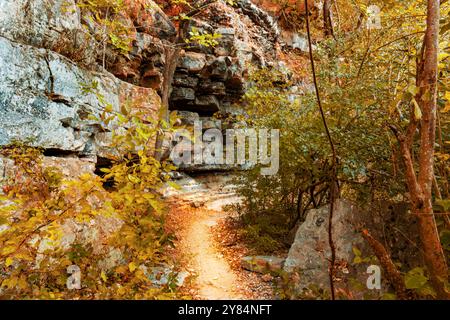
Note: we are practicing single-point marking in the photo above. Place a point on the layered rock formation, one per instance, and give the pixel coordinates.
(51, 50)
(47, 60)
(212, 79)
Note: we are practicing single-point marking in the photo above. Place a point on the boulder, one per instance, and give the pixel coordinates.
(310, 253)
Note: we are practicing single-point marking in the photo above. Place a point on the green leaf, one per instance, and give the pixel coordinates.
(357, 260)
(103, 276)
(413, 89)
(356, 251)
(132, 266)
(108, 108)
(445, 239)
(444, 203)
(133, 179)
(389, 296)
(415, 279)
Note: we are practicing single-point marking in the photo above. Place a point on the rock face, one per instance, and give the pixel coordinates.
(310, 253)
(50, 50)
(47, 59)
(42, 100)
(216, 76)
(210, 81)
(62, 27)
(55, 25)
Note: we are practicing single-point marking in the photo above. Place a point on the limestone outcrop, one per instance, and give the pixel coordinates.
(43, 103)
(310, 253)
(47, 58)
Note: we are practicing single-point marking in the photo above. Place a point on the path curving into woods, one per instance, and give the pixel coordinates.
(196, 213)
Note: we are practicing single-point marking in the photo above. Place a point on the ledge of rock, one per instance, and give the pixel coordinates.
(42, 99)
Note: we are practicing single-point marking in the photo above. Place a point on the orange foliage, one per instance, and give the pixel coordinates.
(290, 6)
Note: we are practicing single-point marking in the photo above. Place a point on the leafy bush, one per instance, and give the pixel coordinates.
(357, 118)
(38, 201)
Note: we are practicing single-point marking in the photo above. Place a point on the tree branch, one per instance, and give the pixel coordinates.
(394, 276)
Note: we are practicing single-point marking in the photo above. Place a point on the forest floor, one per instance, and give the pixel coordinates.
(209, 249)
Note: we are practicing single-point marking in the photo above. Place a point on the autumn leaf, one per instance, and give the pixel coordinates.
(417, 111)
(103, 276)
(132, 266)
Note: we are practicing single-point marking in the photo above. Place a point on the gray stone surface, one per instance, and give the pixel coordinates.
(182, 94)
(208, 103)
(188, 118)
(310, 253)
(192, 61)
(55, 25)
(42, 99)
(184, 80)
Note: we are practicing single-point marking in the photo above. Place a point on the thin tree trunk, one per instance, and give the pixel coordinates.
(172, 54)
(392, 273)
(420, 185)
(334, 188)
(327, 20)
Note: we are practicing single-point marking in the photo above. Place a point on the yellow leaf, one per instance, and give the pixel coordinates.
(103, 276)
(132, 266)
(447, 95)
(447, 104)
(446, 108)
(121, 291)
(22, 283)
(443, 56)
(8, 262)
(417, 111)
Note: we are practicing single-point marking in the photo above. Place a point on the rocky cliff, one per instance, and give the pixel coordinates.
(51, 49)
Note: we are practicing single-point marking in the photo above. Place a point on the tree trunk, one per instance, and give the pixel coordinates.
(327, 20)
(171, 60)
(420, 186)
(392, 273)
(434, 255)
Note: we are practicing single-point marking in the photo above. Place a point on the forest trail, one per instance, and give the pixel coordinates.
(215, 278)
(197, 212)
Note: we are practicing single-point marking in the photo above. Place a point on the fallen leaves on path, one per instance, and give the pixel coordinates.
(209, 248)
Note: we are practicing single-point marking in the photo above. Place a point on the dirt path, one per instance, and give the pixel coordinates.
(195, 218)
(213, 264)
(215, 278)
